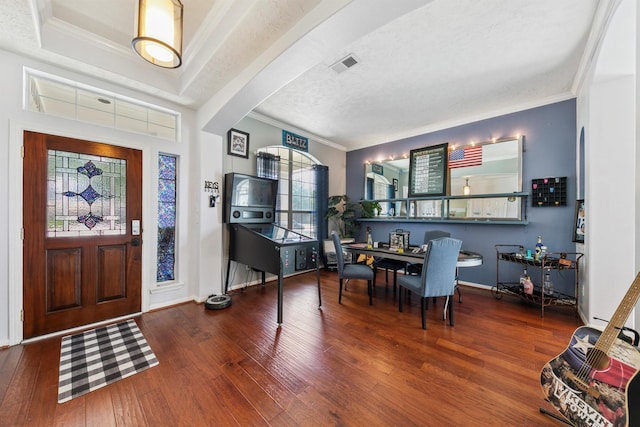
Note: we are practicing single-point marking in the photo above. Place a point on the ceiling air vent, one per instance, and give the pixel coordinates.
(344, 64)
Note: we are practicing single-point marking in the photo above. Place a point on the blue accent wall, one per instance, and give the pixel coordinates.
(550, 151)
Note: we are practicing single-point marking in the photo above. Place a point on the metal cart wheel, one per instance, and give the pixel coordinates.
(496, 292)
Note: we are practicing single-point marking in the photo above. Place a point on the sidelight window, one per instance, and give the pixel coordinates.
(167, 188)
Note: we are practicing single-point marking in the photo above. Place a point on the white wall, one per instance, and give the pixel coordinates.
(610, 195)
(194, 240)
(606, 108)
(636, 64)
(209, 226)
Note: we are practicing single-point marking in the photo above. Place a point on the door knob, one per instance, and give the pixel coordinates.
(135, 241)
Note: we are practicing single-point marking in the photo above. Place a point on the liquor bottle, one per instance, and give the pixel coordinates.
(547, 284)
(538, 249)
(524, 277)
(369, 239)
(543, 253)
(527, 284)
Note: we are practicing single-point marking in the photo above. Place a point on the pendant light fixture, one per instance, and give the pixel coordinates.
(159, 39)
(466, 190)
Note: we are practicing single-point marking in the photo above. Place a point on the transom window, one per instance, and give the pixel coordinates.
(60, 97)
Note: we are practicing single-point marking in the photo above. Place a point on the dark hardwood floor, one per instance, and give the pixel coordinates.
(344, 365)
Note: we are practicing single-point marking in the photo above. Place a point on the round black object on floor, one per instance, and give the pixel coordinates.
(217, 302)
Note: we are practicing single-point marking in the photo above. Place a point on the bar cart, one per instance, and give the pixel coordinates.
(551, 261)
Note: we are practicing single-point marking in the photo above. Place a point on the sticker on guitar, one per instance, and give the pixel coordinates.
(590, 382)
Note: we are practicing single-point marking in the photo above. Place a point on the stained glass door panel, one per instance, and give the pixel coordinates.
(86, 195)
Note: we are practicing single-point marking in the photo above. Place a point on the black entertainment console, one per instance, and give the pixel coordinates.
(256, 242)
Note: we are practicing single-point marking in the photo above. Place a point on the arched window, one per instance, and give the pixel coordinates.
(302, 188)
(380, 186)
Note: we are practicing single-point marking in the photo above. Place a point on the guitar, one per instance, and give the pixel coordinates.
(593, 380)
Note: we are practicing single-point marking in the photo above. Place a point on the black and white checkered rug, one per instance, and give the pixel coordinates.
(95, 358)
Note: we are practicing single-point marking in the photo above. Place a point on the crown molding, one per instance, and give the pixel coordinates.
(601, 20)
(278, 124)
(435, 127)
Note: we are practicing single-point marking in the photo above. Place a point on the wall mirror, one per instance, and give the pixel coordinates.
(498, 171)
(388, 179)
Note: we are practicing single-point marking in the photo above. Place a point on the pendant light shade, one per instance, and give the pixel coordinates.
(466, 190)
(159, 39)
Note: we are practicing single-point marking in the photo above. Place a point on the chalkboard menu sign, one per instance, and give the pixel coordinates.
(428, 171)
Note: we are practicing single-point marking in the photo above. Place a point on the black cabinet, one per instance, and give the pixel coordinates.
(272, 249)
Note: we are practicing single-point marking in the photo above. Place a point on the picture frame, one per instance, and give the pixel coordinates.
(395, 184)
(398, 239)
(428, 168)
(579, 222)
(238, 143)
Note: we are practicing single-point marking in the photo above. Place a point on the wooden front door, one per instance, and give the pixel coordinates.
(82, 252)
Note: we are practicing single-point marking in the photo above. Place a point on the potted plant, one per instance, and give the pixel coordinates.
(342, 213)
(368, 208)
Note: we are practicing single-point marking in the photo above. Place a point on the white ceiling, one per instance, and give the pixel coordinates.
(423, 64)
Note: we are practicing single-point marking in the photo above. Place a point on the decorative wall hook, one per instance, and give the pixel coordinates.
(212, 187)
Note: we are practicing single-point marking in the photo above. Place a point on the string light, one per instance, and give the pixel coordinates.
(452, 147)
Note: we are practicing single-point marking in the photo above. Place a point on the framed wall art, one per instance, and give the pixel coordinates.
(398, 239)
(238, 143)
(579, 222)
(428, 171)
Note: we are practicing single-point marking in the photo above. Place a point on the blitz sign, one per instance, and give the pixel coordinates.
(294, 141)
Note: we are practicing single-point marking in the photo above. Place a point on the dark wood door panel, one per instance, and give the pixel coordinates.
(76, 277)
(63, 279)
(112, 274)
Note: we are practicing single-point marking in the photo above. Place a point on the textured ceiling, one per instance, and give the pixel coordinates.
(423, 64)
(444, 62)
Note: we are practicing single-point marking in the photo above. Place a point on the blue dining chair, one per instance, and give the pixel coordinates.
(417, 268)
(429, 235)
(438, 277)
(352, 271)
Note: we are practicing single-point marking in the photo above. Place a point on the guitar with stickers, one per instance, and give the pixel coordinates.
(595, 381)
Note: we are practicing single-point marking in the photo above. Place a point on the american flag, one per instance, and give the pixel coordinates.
(463, 157)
